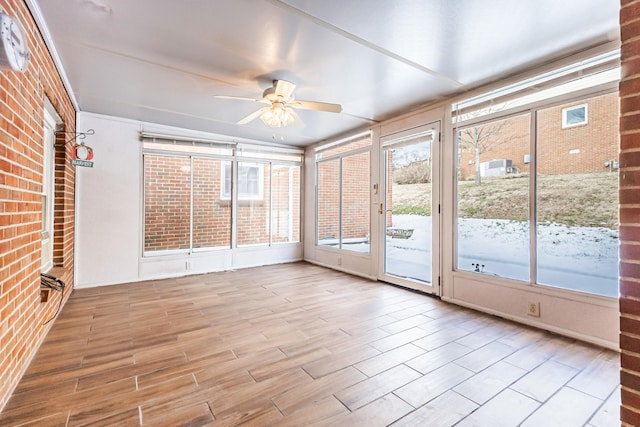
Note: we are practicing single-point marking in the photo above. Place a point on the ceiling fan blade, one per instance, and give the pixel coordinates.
(241, 98)
(284, 89)
(252, 116)
(297, 121)
(318, 106)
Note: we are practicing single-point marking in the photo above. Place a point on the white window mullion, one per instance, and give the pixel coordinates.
(234, 204)
(270, 210)
(191, 204)
(340, 205)
(290, 219)
(533, 199)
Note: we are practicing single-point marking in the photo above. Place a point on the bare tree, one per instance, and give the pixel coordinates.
(484, 137)
(480, 139)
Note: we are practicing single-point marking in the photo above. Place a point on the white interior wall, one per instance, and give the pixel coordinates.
(108, 203)
(109, 206)
(588, 318)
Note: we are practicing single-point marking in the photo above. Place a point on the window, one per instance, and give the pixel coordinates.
(355, 202)
(285, 203)
(250, 181)
(211, 219)
(560, 229)
(188, 201)
(328, 201)
(253, 209)
(167, 204)
(493, 198)
(577, 200)
(574, 116)
(343, 194)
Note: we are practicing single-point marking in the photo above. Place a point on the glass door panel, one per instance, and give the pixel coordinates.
(407, 211)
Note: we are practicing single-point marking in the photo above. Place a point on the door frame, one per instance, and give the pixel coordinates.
(436, 207)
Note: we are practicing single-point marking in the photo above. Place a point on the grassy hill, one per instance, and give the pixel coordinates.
(589, 200)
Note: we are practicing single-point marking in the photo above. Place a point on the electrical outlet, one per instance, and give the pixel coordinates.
(533, 309)
(339, 260)
(44, 295)
(187, 265)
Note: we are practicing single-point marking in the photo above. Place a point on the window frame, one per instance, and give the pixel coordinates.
(496, 116)
(565, 116)
(160, 145)
(51, 121)
(173, 155)
(338, 150)
(577, 97)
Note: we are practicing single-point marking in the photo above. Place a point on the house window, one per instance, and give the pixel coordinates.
(250, 181)
(574, 116)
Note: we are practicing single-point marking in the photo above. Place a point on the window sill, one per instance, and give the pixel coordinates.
(64, 274)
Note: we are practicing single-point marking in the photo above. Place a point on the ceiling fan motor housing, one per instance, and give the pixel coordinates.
(271, 95)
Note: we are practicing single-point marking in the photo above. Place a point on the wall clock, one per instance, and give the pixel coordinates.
(13, 46)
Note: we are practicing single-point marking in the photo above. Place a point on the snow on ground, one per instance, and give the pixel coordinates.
(579, 258)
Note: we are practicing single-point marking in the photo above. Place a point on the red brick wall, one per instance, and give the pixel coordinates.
(167, 203)
(630, 213)
(355, 193)
(211, 214)
(21, 160)
(355, 196)
(597, 140)
(329, 199)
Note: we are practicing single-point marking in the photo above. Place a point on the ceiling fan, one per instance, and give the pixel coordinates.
(279, 98)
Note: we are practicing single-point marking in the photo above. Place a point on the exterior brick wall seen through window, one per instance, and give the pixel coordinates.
(576, 149)
(343, 193)
(270, 214)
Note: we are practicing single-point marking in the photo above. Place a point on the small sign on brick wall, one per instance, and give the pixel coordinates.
(81, 155)
(84, 163)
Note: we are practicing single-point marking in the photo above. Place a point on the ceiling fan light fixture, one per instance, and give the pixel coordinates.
(277, 116)
(282, 107)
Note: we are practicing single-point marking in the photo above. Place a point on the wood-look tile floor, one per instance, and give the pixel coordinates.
(300, 345)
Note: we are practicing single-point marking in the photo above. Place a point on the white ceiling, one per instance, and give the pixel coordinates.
(162, 61)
